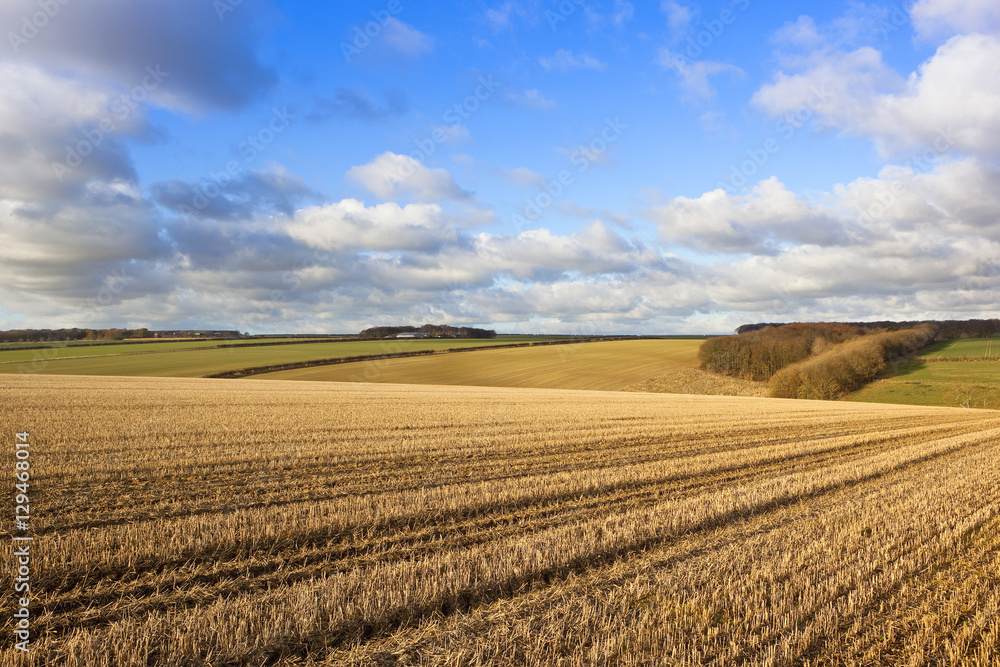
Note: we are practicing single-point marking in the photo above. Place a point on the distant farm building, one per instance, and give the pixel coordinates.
(414, 335)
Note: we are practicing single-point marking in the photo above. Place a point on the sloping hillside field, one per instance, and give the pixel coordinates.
(606, 365)
(200, 359)
(251, 522)
(957, 373)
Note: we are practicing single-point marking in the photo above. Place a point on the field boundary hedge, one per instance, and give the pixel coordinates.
(273, 368)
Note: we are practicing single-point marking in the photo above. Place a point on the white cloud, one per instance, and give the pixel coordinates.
(954, 94)
(714, 122)
(679, 16)
(391, 175)
(565, 60)
(958, 199)
(802, 33)
(904, 244)
(531, 99)
(759, 222)
(350, 224)
(405, 39)
(525, 177)
(450, 133)
(52, 140)
(694, 77)
(944, 18)
(499, 17)
(538, 254)
(203, 62)
(843, 80)
(908, 241)
(624, 11)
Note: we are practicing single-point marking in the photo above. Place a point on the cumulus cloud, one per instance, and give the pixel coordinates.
(953, 97)
(834, 85)
(350, 224)
(58, 261)
(355, 104)
(918, 239)
(944, 18)
(695, 77)
(759, 222)
(902, 244)
(450, 133)
(57, 134)
(242, 197)
(531, 99)
(537, 254)
(405, 39)
(679, 15)
(624, 11)
(525, 177)
(565, 60)
(960, 199)
(500, 17)
(800, 33)
(116, 41)
(391, 175)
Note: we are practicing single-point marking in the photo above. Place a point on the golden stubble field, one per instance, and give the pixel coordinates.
(197, 522)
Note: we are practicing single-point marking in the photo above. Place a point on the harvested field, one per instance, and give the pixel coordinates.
(605, 365)
(697, 381)
(200, 359)
(249, 522)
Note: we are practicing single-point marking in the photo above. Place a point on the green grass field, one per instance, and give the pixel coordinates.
(985, 348)
(195, 360)
(608, 365)
(973, 382)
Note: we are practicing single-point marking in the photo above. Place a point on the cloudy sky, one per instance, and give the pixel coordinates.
(528, 165)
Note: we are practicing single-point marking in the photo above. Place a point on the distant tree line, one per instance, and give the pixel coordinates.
(59, 335)
(75, 334)
(945, 328)
(437, 330)
(844, 368)
(760, 353)
(385, 332)
(824, 360)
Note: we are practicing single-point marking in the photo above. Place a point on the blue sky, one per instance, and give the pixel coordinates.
(574, 166)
